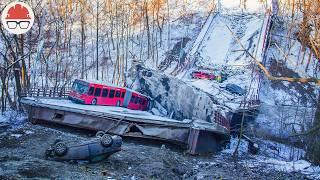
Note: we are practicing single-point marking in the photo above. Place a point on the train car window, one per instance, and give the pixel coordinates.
(140, 101)
(97, 92)
(122, 95)
(136, 100)
(132, 99)
(105, 93)
(90, 93)
(111, 94)
(118, 93)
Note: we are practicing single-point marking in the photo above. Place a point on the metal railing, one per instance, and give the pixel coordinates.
(221, 120)
(254, 101)
(46, 92)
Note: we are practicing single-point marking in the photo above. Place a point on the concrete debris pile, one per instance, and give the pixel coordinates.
(180, 100)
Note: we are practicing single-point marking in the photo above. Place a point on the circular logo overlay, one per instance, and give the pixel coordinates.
(17, 18)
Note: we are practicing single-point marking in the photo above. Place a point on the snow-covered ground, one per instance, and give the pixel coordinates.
(287, 108)
(274, 155)
(14, 118)
(281, 113)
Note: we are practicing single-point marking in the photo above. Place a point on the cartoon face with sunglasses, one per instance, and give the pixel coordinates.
(17, 18)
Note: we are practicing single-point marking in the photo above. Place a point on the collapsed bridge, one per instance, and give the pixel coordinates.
(195, 136)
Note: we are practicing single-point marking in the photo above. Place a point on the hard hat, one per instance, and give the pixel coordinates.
(18, 12)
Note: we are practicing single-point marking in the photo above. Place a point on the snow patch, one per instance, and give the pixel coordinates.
(273, 155)
(16, 135)
(12, 118)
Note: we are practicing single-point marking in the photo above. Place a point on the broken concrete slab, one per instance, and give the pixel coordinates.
(181, 100)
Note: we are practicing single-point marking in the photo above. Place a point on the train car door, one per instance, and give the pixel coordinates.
(127, 98)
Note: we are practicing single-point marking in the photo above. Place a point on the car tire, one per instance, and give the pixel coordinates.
(94, 101)
(106, 140)
(99, 134)
(60, 148)
(34, 121)
(118, 104)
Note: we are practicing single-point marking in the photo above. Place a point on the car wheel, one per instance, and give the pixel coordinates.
(60, 148)
(99, 134)
(118, 104)
(34, 121)
(106, 140)
(94, 101)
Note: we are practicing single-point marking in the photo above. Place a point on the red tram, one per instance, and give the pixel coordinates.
(87, 92)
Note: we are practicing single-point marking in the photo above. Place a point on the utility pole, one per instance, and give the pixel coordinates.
(97, 40)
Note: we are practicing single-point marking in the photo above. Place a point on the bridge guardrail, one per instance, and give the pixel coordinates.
(46, 92)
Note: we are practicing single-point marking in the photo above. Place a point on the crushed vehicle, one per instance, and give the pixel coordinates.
(203, 75)
(235, 89)
(94, 150)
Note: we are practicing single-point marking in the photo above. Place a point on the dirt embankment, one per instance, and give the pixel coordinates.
(22, 156)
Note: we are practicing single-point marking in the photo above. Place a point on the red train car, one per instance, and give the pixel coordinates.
(87, 92)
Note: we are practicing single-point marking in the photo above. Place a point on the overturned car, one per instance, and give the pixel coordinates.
(94, 150)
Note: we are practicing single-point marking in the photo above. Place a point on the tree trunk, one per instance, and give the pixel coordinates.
(313, 146)
(97, 41)
(147, 27)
